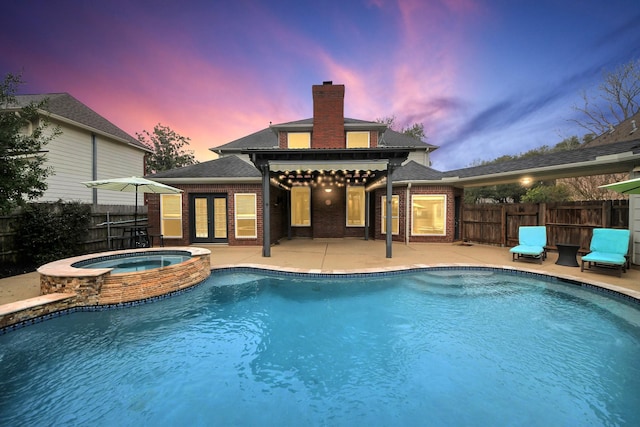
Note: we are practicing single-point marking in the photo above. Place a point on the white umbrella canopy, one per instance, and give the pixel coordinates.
(631, 186)
(132, 184)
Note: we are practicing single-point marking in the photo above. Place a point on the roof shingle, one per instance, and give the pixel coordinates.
(65, 105)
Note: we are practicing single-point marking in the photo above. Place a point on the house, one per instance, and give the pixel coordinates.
(320, 177)
(328, 177)
(88, 148)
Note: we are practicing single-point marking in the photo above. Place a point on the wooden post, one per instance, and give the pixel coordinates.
(503, 226)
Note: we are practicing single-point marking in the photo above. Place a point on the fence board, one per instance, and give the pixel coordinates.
(567, 222)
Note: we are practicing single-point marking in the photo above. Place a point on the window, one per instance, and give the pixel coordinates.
(220, 218)
(300, 206)
(299, 140)
(428, 213)
(395, 214)
(171, 215)
(355, 206)
(245, 216)
(357, 139)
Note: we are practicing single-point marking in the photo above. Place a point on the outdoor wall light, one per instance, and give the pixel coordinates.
(526, 181)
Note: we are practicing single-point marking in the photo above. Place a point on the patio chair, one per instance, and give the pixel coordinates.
(609, 248)
(532, 241)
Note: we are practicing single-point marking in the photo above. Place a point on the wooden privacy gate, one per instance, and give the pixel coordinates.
(566, 222)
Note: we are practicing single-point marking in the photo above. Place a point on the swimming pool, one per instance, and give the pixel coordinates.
(432, 347)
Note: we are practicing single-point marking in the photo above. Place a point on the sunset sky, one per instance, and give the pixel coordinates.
(486, 78)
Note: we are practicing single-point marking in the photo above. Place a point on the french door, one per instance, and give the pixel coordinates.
(208, 218)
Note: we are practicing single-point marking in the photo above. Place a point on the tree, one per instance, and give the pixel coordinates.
(416, 130)
(23, 134)
(617, 100)
(547, 193)
(168, 149)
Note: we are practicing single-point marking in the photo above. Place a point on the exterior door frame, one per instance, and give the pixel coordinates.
(211, 218)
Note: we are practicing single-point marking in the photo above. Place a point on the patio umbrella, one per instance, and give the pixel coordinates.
(133, 184)
(631, 186)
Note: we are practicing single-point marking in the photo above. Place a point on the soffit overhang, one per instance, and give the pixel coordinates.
(308, 158)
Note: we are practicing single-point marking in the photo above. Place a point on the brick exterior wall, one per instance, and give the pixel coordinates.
(449, 192)
(328, 116)
(373, 139)
(230, 190)
(328, 215)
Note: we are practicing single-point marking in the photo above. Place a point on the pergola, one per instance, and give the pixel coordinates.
(285, 168)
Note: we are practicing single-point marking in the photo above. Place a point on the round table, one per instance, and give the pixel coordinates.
(567, 254)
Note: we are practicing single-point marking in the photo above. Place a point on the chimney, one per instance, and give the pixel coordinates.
(328, 116)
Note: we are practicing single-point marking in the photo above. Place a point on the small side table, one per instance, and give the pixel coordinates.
(567, 254)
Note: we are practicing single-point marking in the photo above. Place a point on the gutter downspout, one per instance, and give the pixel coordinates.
(94, 167)
(407, 208)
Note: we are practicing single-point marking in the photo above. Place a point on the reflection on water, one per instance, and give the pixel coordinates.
(247, 349)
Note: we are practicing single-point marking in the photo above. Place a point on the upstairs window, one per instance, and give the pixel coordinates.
(358, 139)
(299, 140)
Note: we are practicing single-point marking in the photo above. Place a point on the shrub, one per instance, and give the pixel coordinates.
(46, 232)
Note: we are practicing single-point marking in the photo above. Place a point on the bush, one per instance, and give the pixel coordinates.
(547, 194)
(46, 232)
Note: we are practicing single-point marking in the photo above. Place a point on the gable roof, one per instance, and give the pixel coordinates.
(414, 171)
(627, 130)
(268, 138)
(219, 169)
(67, 108)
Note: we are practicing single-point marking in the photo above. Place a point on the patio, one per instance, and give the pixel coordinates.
(352, 255)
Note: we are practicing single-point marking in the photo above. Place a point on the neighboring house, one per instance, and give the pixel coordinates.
(89, 147)
(327, 177)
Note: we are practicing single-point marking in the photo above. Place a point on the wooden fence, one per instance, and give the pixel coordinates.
(96, 240)
(566, 222)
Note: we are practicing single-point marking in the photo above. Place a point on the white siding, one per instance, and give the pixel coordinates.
(419, 156)
(117, 160)
(70, 155)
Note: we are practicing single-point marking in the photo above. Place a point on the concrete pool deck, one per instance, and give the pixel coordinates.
(357, 255)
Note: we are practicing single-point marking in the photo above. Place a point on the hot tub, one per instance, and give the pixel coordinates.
(123, 276)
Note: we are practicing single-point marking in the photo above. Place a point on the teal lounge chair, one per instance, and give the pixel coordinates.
(532, 241)
(608, 248)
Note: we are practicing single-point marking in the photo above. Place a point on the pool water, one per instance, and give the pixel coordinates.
(133, 263)
(426, 348)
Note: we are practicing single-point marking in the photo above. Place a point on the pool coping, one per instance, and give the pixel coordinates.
(65, 267)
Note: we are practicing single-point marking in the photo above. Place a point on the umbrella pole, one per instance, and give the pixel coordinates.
(135, 221)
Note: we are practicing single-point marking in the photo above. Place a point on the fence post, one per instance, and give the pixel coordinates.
(606, 213)
(503, 227)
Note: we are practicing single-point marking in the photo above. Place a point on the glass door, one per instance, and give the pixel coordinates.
(208, 220)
